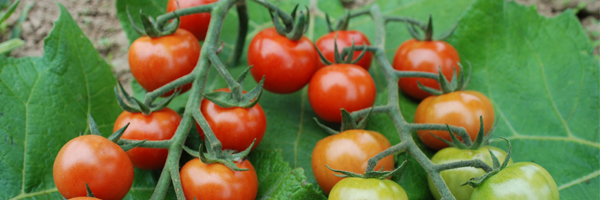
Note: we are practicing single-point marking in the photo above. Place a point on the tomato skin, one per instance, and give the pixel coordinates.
(287, 65)
(353, 188)
(94, 160)
(217, 182)
(349, 151)
(340, 86)
(424, 56)
(325, 44)
(159, 125)
(454, 178)
(522, 180)
(461, 108)
(236, 127)
(198, 23)
(155, 62)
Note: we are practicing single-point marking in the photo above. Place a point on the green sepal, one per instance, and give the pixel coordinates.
(89, 191)
(92, 125)
(137, 29)
(9, 11)
(480, 136)
(292, 31)
(225, 157)
(133, 105)
(480, 140)
(429, 30)
(117, 134)
(226, 100)
(370, 174)
(475, 182)
(151, 28)
(127, 147)
(325, 128)
(459, 82)
(342, 58)
(350, 123)
(428, 89)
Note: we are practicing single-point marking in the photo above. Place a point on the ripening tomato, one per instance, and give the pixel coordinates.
(235, 127)
(424, 56)
(454, 178)
(349, 151)
(159, 125)
(198, 23)
(287, 65)
(155, 62)
(94, 160)
(522, 180)
(340, 86)
(325, 44)
(217, 182)
(461, 108)
(353, 188)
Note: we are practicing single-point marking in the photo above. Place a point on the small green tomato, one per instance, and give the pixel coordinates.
(523, 180)
(367, 189)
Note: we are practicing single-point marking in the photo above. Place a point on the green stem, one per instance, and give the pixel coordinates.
(416, 74)
(151, 96)
(234, 86)
(160, 144)
(238, 48)
(389, 151)
(464, 163)
(377, 109)
(183, 12)
(176, 178)
(415, 22)
(462, 132)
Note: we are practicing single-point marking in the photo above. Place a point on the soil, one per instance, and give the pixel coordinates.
(98, 20)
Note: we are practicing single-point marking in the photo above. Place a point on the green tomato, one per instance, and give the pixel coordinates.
(454, 178)
(523, 180)
(365, 189)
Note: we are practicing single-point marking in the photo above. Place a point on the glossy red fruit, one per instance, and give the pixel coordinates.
(198, 23)
(325, 44)
(424, 56)
(217, 182)
(287, 65)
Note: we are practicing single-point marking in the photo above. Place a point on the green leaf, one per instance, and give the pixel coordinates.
(278, 181)
(543, 81)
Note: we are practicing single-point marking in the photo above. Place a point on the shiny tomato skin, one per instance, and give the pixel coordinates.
(349, 151)
(217, 182)
(340, 86)
(198, 23)
(353, 188)
(236, 127)
(94, 160)
(522, 180)
(424, 56)
(155, 62)
(159, 125)
(325, 44)
(461, 108)
(287, 65)
(454, 178)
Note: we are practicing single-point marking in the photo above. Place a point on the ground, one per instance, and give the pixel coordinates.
(99, 22)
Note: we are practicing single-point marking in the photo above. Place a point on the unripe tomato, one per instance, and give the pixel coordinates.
(217, 182)
(424, 56)
(159, 125)
(155, 62)
(461, 108)
(287, 65)
(353, 188)
(325, 44)
(349, 151)
(198, 23)
(454, 178)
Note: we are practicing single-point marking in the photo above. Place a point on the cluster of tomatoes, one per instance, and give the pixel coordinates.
(288, 66)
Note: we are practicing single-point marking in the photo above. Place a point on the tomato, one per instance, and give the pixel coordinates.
(287, 65)
(216, 181)
(424, 56)
(94, 160)
(236, 127)
(461, 108)
(353, 188)
(454, 178)
(155, 62)
(523, 180)
(198, 23)
(159, 125)
(325, 44)
(340, 86)
(349, 151)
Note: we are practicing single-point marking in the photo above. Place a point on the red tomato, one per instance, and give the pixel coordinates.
(287, 65)
(217, 182)
(349, 151)
(94, 160)
(340, 86)
(197, 24)
(461, 108)
(236, 127)
(325, 44)
(424, 56)
(159, 125)
(155, 62)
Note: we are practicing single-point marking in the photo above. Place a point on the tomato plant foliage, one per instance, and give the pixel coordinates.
(538, 72)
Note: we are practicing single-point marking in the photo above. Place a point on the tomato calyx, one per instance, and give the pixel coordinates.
(342, 58)
(151, 27)
(480, 140)
(449, 86)
(349, 122)
(133, 105)
(89, 191)
(381, 175)
(497, 167)
(341, 25)
(288, 28)
(428, 31)
(226, 157)
(236, 98)
(115, 137)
